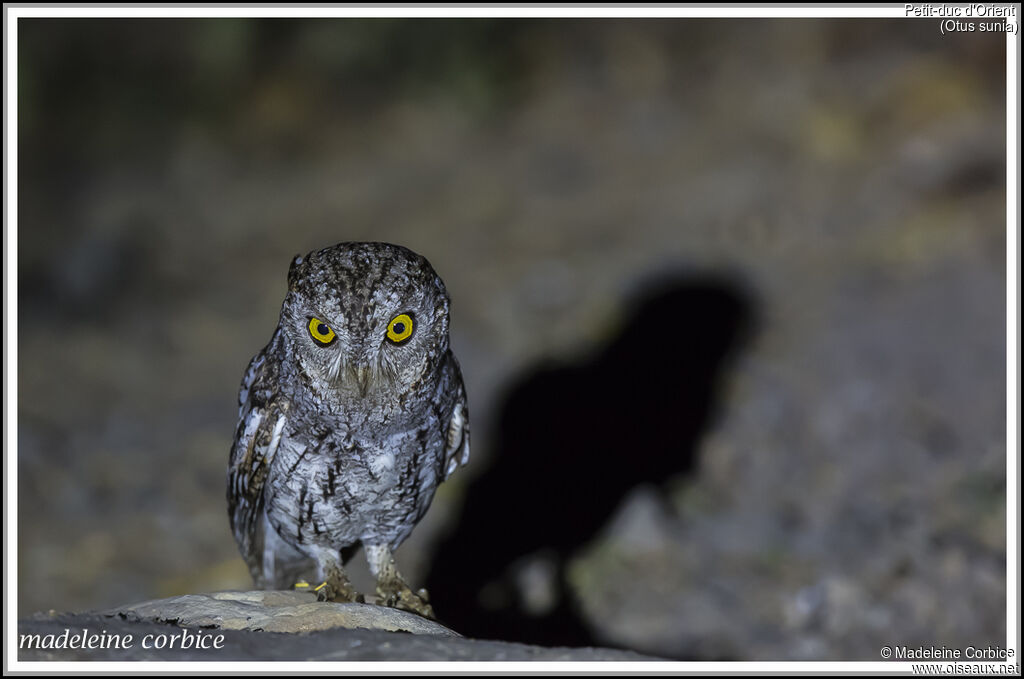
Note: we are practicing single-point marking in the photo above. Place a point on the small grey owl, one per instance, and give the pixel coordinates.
(348, 420)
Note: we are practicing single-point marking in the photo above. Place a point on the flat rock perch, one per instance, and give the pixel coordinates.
(276, 611)
(271, 625)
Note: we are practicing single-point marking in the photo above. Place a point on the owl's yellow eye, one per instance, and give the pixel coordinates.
(400, 328)
(321, 332)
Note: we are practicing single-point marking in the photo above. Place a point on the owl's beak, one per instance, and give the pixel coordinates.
(360, 375)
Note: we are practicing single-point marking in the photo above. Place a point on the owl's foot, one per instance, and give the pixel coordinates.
(336, 586)
(338, 592)
(396, 594)
(391, 588)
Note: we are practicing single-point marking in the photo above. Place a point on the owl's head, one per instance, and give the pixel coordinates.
(363, 318)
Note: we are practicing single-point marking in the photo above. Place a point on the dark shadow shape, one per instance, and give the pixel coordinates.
(571, 441)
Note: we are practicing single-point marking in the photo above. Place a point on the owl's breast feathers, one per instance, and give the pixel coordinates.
(335, 478)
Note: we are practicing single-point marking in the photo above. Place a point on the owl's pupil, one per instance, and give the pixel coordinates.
(399, 328)
(322, 329)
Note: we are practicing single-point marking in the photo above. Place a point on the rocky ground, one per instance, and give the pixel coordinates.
(268, 626)
(729, 297)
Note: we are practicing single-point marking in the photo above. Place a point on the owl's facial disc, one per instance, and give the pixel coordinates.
(361, 361)
(365, 348)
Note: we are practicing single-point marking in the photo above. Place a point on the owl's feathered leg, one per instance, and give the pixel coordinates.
(335, 585)
(391, 588)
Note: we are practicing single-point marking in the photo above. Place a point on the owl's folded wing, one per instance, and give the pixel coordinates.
(256, 441)
(248, 380)
(456, 452)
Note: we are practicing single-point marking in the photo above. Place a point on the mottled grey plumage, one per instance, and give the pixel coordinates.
(347, 422)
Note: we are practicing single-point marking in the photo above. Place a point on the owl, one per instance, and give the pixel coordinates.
(349, 419)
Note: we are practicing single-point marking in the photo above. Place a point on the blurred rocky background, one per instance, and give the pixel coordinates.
(729, 297)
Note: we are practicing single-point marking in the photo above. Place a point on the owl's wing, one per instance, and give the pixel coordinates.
(456, 452)
(248, 380)
(261, 423)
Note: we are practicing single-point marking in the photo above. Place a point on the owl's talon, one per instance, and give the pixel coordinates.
(343, 594)
(398, 595)
(324, 592)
